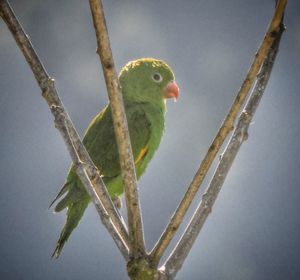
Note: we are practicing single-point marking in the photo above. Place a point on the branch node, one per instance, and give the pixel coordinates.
(206, 200)
(242, 136)
(108, 65)
(48, 91)
(59, 116)
(275, 32)
(93, 171)
(46, 86)
(140, 269)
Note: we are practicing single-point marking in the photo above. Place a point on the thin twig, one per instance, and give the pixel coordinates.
(240, 134)
(135, 226)
(223, 132)
(50, 94)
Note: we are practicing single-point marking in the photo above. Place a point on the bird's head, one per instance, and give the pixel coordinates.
(148, 80)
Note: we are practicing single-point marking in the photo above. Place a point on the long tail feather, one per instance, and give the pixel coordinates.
(74, 214)
(61, 193)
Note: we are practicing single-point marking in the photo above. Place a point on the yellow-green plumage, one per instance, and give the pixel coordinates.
(143, 85)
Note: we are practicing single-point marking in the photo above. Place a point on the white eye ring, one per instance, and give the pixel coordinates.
(156, 77)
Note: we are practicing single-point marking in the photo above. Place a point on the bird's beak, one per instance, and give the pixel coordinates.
(171, 90)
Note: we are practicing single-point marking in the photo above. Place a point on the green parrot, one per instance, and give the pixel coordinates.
(146, 84)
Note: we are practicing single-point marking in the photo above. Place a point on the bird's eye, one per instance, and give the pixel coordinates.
(156, 77)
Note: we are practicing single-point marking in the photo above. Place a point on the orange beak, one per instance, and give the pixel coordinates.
(171, 91)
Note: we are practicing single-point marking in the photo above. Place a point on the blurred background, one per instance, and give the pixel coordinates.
(253, 231)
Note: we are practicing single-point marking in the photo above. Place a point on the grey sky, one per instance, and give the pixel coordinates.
(253, 232)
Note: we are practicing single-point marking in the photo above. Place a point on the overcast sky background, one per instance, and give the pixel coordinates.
(253, 231)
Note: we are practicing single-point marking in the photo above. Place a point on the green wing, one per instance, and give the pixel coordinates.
(100, 143)
(100, 140)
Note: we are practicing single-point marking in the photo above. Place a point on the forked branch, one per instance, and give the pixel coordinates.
(240, 134)
(222, 134)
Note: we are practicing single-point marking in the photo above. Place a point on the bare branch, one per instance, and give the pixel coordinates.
(137, 247)
(240, 134)
(98, 193)
(222, 134)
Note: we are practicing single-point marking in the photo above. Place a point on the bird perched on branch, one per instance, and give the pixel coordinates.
(146, 84)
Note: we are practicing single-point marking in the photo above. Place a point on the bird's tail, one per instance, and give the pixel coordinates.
(76, 200)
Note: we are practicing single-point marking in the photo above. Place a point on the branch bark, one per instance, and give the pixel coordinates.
(136, 236)
(240, 134)
(86, 170)
(219, 139)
